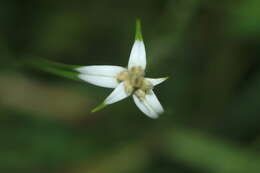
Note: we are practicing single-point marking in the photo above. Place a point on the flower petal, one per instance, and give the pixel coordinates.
(150, 105)
(138, 54)
(156, 81)
(100, 75)
(118, 94)
(107, 82)
(102, 70)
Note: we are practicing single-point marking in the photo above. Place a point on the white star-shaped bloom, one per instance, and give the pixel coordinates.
(127, 81)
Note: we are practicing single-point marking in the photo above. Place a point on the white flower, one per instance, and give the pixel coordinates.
(127, 81)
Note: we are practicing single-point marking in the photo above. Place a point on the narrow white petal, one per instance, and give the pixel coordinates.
(107, 82)
(100, 75)
(118, 94)
(143, 107)
(153, 101)
(150, 105)
(101, 70)
(137, 55)
(156, 81)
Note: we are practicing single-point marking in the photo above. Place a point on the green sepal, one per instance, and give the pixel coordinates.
(138, 31)
(59, 69)
(59, 65)
(100, 107)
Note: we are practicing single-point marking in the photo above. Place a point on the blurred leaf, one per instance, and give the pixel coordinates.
(131, 157)
(209, 153)
(29, 142)
(245, 18)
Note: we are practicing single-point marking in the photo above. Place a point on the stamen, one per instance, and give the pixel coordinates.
(146, 85)
(128, 87)
(134, 81)
(122, 76)
(136, 76)
(140, 94)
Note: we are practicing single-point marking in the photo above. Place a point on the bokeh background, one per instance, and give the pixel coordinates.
(210, 50)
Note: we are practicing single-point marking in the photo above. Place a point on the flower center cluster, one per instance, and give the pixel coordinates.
(135, 82)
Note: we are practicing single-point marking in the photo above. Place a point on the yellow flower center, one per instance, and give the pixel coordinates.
(135, 82)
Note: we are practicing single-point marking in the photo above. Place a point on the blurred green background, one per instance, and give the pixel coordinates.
(210, 50)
